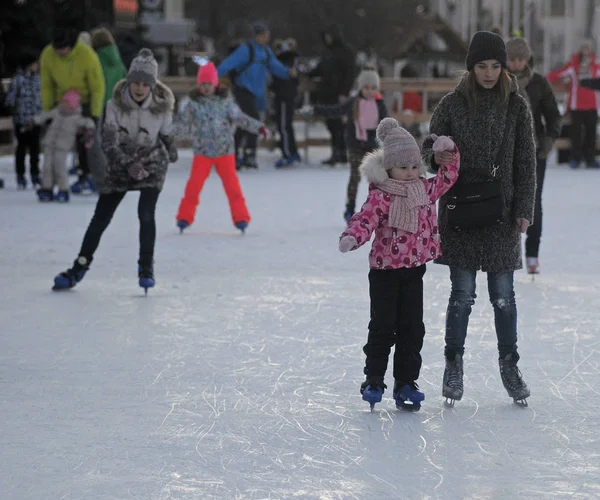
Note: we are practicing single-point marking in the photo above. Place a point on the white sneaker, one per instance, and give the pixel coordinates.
(533, 265)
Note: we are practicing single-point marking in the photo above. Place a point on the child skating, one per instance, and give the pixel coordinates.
(400, 210)
(59, 141)
(363, 113)
(24, 98)
(138, 144)
(210, 120)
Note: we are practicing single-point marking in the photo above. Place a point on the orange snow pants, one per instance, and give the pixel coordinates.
(201, 167)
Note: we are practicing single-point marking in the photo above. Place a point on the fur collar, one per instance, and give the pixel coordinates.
(373, 170)
(372, 167)
(162, 99)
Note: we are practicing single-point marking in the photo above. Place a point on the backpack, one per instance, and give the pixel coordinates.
(234, 73)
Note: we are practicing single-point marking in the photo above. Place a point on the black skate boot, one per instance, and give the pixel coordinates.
(372, 390)
(146, 275)
(513, 380)
(71, 277)
(453, 378)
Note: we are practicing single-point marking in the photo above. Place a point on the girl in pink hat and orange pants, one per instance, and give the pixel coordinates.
(210, 120)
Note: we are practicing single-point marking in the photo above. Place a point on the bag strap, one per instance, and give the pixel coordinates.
(500, 154)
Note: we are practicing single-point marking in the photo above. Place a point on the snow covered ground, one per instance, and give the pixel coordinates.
(238, 376)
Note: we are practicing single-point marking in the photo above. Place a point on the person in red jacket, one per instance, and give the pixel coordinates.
(583, 105)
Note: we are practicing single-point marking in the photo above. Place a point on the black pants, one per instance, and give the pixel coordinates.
(338, 141)
(534, 232)
(82, 158)
(244, 140)
(285, 124)
(396, 319)
(356, 157)
(28, 141)
(583, 135)
(105, 208)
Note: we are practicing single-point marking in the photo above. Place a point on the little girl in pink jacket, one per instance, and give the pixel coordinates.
(400, 209)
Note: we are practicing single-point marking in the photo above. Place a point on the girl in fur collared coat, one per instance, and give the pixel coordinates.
(401, 211)
(138, 144)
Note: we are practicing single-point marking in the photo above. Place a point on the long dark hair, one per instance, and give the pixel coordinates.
(502, 87)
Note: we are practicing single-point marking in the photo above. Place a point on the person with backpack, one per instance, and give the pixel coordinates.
(250, 64)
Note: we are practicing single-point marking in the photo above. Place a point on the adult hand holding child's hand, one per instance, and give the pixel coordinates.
(444, 150)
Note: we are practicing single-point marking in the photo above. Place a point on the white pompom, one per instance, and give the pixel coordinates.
(385, 126)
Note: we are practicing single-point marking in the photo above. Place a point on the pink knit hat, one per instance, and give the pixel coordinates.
(72, 98)
(399, 147)
(208, 74)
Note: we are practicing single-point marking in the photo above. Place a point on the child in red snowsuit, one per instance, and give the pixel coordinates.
(210, 120)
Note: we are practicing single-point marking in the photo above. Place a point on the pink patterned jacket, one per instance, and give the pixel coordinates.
(394, 248)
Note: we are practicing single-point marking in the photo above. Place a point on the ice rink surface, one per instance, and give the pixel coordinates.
(237, 377)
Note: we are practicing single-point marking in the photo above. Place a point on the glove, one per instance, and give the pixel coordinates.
(443, 143)
(265, 133)
(347, 243)
(173, 154)
(137, 171)
(169, 143)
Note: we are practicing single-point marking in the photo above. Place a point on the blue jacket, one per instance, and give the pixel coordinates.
(254, 78)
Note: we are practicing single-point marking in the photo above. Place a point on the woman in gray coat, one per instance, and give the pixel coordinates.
(475, 114)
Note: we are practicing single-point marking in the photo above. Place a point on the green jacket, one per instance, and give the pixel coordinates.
(112, 67)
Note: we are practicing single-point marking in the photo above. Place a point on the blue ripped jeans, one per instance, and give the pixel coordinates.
(462, 297)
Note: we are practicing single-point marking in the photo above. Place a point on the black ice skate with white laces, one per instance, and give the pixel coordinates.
(453, 379)
(513, 380)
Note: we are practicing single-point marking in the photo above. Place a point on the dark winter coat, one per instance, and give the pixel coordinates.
(347, 110)
(546, 115)
(138, 133)
(286, 89)
(477, 131)
(336, 69)
(24, 97)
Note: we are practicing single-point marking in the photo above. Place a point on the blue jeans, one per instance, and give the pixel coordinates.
(462, 298)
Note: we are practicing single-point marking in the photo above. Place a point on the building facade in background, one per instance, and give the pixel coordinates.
(555, 28)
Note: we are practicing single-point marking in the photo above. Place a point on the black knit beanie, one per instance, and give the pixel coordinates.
(486, 45)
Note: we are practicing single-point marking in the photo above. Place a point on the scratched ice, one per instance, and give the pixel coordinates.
(238, 375)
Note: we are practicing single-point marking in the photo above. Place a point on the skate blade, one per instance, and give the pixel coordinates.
(449, 403)
(521, 402)
(407, 406)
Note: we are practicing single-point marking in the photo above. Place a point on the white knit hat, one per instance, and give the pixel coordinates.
(399, 147)
(367, 77)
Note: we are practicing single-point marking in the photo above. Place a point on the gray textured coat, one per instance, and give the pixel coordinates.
(137, 133)
(478, 130)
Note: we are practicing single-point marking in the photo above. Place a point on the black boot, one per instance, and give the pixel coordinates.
(512, 379)
(452, 388)
(350, 206)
